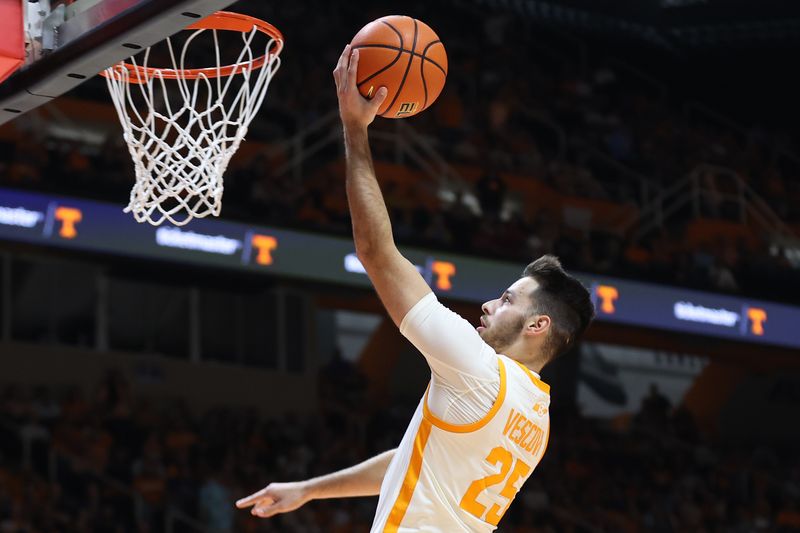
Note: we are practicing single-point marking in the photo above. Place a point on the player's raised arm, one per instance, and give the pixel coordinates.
(396, 280)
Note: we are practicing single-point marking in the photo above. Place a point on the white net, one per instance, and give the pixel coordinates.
(182, 132)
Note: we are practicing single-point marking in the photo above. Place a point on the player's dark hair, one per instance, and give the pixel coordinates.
(564, 299)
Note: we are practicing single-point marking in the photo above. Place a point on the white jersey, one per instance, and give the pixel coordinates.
(448, 477)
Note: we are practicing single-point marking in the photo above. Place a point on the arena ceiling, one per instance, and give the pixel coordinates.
(677, 25)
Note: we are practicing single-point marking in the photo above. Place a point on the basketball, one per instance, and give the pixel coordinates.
(404, 55)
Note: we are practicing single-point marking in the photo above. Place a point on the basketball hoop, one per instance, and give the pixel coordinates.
(181, 150)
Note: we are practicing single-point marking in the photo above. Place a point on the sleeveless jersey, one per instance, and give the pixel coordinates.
(447, 478)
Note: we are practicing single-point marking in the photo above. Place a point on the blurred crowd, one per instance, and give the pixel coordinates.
(114, 462)
(515, 104)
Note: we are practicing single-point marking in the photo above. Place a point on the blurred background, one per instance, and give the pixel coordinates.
(653, 147)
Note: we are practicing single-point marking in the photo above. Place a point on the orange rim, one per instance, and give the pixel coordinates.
(221, 20)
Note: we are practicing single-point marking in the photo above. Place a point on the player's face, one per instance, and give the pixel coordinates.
(504, 318)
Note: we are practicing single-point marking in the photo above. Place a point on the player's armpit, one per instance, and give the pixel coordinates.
(397, 282)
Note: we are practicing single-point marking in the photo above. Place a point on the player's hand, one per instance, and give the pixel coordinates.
(354, 109)
(275, 498)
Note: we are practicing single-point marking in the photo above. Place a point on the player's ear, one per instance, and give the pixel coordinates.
(537, 325)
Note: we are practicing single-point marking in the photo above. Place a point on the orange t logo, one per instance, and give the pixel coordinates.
(607, 295)
(264, 244)
(757, 318)
(69, 216)
(444, 271)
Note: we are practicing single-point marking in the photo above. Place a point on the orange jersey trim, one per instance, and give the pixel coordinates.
(474, 426)
(410, 481)
(541, 385)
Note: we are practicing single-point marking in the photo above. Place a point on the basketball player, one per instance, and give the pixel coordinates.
(482, 426)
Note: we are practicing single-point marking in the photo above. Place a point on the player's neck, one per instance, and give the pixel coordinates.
(525, 355)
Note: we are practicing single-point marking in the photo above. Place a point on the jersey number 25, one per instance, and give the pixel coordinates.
(511, 471)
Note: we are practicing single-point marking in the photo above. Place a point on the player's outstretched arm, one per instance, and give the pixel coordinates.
(363, 479)
(396, 280)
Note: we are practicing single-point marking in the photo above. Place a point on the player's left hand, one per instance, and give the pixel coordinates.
(275, 498)
(354, 109)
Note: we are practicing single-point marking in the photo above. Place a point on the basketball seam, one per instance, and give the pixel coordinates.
(390, 65)
(422, 72)
(403, 50)
(408, 67)
(424, 83)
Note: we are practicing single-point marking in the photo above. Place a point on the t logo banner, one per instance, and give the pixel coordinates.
(607, 294)
(264, 244)
(756, 318)
(69, 218)
(443, 271)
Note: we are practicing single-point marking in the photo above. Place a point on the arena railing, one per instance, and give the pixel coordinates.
(645, 187)
(406, 145)
(702, 191)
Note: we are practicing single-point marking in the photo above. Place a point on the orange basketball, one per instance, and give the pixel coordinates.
(405, 56)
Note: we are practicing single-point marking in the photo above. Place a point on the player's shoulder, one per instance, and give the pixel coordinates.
(432, 316)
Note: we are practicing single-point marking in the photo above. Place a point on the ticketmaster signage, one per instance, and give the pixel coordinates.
(100, 227)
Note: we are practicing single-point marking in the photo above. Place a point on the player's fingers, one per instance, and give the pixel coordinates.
(245, 502)
(254, 498)
(248, 500)
(378, 99)
(342, 63)
(352, 69)
(267, 511)
(337, 78)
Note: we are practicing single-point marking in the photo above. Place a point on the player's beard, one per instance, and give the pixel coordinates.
(502, 334)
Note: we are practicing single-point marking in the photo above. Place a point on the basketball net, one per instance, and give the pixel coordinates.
(181, 145)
